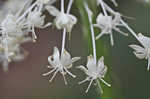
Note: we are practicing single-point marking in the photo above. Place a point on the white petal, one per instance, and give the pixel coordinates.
(102, 69)
(55, 58)
(83, 69)
(148, 67)
(101, 62)
(72, 21)
(52, 10)
(91, 65)
(137, 48)
(140, 55)
(104, 20)
(66, 59)
(75, 59)
(145, 40)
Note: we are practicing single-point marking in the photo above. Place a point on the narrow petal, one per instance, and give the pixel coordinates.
(89, 85)
(69, 73)
(118, 30)
(105, 82)
(137, 48)
(101, 61)
(111, 39)
(98, 83)
(148, 67)
(91, 65)
(45, 74)
(54, 59)
(145, 40)
(83, 69)
(75, 59)
(140, 55)
(54, 75)
(83, 81)
(102, 69)
(66, 59)
(99, 35)
(63, 74)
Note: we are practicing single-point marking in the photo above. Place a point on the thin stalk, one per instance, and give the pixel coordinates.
(69, 6)
(131, 30)
(92, 30)
(62, 6)
(26, 12)
(64, 31)
(103, 7)
(63, 40)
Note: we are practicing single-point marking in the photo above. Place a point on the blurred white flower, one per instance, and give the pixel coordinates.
(10, 49)
(12, 36)
(94, 71)
(60, 63)
(9, 6)
(10, 26)
(142, 52)
(107, 24)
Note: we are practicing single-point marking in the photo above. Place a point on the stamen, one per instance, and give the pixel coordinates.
(54, 75)
(69, 73)
(89, 85)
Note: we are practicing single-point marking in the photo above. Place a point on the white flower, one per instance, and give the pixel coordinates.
(36, 19)
(94, 71)
(62, 20)
(60, 63)
(142, 52)
(107, 24)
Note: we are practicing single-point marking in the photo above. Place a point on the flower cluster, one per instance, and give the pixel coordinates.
(16, 26)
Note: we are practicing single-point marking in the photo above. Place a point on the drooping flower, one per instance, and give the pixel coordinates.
(62, 20)
(60, 63)
(35, 19)
(142, 52)
(94, 71)
(107, 24)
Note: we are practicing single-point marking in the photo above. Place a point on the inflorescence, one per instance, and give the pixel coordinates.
(16, 26)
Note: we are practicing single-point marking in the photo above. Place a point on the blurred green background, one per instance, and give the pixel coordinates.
(127, 74)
